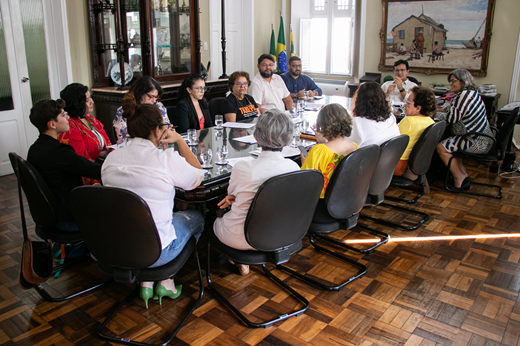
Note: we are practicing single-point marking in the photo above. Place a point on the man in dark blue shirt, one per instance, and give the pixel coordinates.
(298, 83)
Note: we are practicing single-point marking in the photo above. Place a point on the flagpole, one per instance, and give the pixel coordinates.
(224, 75)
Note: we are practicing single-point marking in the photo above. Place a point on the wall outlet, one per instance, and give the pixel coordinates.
(205, 45)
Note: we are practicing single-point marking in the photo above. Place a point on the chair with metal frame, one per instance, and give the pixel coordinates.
(135, 236)
(495, 154)
(276, 222)
(419, 163)
(345, 196)
(42, 204)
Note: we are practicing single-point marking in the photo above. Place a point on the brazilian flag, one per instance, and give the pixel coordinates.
(280, 48)
(272, 50)
(292, 44)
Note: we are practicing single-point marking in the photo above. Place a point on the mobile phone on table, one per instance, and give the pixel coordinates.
(303, 150)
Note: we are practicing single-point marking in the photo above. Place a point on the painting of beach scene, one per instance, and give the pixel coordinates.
(437, 36)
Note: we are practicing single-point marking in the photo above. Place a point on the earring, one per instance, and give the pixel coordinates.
(54, 127)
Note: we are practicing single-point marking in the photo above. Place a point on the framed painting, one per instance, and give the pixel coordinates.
(437, 36)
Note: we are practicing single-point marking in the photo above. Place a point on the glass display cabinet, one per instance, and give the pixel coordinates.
(159, 38)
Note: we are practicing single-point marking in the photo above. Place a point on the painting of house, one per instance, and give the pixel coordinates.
(423, 29)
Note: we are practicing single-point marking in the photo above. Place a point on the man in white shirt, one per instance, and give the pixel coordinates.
(268, 89)
(399, 89)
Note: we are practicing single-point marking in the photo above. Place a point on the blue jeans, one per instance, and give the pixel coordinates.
(187, 223)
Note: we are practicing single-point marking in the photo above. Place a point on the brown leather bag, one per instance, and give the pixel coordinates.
(36, 263)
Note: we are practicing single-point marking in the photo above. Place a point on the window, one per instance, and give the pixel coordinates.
(326, 39)
(401, 34)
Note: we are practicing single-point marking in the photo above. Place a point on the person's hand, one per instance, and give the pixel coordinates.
(399, 82)
(311, 93)
(303, 158)
(391, 88)
(300, 94)
(226, 202)
(170, 136)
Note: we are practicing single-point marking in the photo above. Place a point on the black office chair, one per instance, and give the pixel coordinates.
(42, 204)
(413, 79)
(419, 163)
(276, 222)
(171, 113)
(126, 243)
(495, 154)
(344, 198)
(391, 152)
(214, 107)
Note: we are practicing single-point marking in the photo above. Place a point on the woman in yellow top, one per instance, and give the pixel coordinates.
(419, 109)
(332, 126)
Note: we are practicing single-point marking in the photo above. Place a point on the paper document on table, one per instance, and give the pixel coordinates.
(246, 139)
(286, 151)
(233, 161)
(238, 125)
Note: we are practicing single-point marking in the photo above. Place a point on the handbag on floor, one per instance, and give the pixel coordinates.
(36, 263)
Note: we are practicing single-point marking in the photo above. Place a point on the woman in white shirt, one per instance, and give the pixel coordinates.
(153, 174)
(273, 131)
(373, 121)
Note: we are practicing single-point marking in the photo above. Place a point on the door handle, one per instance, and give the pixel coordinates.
(25, 80)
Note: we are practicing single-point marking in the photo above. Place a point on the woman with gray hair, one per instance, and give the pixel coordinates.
(466, 113)
(273, 131)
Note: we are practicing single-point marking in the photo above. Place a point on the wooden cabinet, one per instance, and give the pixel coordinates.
(159, 38)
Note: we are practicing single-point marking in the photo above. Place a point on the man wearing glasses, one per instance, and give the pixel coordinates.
(399, 89)
(268, 89)
(297, 82)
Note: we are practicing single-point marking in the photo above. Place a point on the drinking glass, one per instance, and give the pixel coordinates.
(222, 154)
(192, 137)
(296, 135)
(205, 158)
(304, 125)
(306, 93)
(219, 120)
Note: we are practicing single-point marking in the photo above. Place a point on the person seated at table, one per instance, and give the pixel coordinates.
(59, 165)
(466, 113)
(153, 174)
(419, 109)
(373, 121)
(297, 82)
(192, 110)
(333, 125)
(267, 88)
(86, 134)
(146, 90)
(273, 131)
(398, 89)
(238, 105)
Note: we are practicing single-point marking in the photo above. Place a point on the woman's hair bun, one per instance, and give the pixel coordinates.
(129, 105)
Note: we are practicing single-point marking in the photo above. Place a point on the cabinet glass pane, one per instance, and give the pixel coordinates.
(134, 36)
(35, 51)
(171, 37)
(6, 96)
(108, 36)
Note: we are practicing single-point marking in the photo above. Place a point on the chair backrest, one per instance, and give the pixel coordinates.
(422, 152)
(348, 187)
(282, 210)
(504, 135)
(391, 152)
(214, 107)
(42, 201)
(413, 79)
(117, 226)
(171, 113)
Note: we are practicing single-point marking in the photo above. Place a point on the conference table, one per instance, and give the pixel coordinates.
(216, 178)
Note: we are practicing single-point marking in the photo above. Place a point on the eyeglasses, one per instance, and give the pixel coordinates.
(200, 89)
(452, 80)
(400, 70)
(155, 97)
(241, 84)
(297, 66)
(267, 65)
(165, 124)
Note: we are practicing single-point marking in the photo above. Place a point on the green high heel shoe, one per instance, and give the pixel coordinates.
(161, 291)
(145, 294)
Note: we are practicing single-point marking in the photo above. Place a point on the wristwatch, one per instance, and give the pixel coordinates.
(402, 90)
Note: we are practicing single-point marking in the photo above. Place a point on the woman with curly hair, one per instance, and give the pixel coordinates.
(419, 109)
(373, 121)
(86, 134)
(145, 90)
(192, 110)
(332, 126)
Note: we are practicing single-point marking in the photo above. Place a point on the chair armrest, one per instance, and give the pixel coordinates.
(480, 134)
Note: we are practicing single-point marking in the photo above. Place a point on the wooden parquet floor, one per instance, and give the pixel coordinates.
(416, 293)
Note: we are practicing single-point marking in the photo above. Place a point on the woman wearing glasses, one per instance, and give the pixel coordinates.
(466, 113)
(192, 110)
(153, 175)
(145, 90)
(238, 105)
